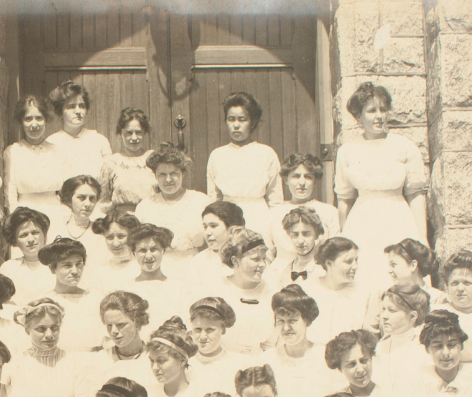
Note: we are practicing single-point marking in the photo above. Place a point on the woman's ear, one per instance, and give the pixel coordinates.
(414, 315)
(414, 265)
(235, 261)
(52, 268)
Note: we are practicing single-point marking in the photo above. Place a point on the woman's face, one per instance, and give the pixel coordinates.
(34, 125)
(251, 264)
(69, 271)
(83, 201)
(165, 367)
(445, 350)
(292, 328)
(214, 231)
(116, 238)
(459, 288)
(303, 238)
(239, 125)
(343, 269)
(400, 270)
(74, 111)
(120, 327)
(258, 391)
(30, 239)
(44, 331)
(374, 117)
(301, 183)
(207, 334)
(357, 367)
(149, 254)
(169, 178)
(132, 136)
(395, 320)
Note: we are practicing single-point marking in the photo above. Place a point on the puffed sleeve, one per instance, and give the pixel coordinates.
(106, 178)
(415, 173)
(274, 191)
(11, 190)
(212, 190)
(342, 185)
(105, 148)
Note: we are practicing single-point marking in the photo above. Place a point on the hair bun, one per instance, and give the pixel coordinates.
(174, 323)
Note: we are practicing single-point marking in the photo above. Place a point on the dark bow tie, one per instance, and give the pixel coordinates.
(303, 275)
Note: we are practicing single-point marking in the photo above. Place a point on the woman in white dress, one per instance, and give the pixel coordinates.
(84, 149)
(170, 348)
(210, 318)
(125, 179)
(298, 364)
(245, 172)
(351, 353)
(443, 338)
(342, 302)
(34, 169)
(380, 184)
(81, 193)
(120, 268)
(305, 229)
(80, 329)
(27, 229)
(299, 172)
(245, 291)
(175, 208)
(217, 218)
(122, 387)
(256, 382)
(399, 352)
(124, 314)
(44, 370)
(149, 244)
(456, 275)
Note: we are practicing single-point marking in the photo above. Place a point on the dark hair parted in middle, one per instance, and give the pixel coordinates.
(213, 309)
(293, 300)
(65, 91)
(70, 186)
(247, 102)
(410, 299)
(28, 102)
(364, 93)
(102, 225)
(18, 218)
(174, 331)
(60, 249)
(312, 163)
(338, 347)
(412, 250)
(304, 215)
(168, 154)
(331, 248)
(131, 305)
(128, 114)
(7, 289)
(122, 387)
(459, 260)
(230, 213)
(159, 235)
(238, 240)
(441, 322)
(255, 376)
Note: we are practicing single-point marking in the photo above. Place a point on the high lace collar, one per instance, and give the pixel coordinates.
(46, 357)
(210, 360)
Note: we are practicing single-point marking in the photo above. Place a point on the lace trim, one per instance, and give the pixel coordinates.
(210, 360)
(46, 357)
(131, 162)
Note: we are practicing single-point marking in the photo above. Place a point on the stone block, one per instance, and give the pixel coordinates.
(404, 55)
(456, 64)
(449, 241)
(404, 17)
(454, 130)
(455, 16)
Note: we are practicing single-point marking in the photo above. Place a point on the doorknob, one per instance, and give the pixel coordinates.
(180, 123)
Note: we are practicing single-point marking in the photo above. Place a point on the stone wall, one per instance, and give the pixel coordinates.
(449, 104)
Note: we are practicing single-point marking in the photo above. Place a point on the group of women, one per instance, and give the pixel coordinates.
(124, 283)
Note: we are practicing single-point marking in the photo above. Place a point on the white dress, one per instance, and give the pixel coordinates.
(280, 241)
(32, 279)
(340, 311)
(115, 274)
(378, 173)
(249, 177)
(157, 390)
(207, 265)
(184, 219)
(33, 174)
(85, 153)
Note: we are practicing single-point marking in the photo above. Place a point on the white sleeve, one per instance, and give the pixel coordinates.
(11, 190)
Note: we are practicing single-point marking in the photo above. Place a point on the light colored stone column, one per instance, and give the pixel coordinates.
(449, 65)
